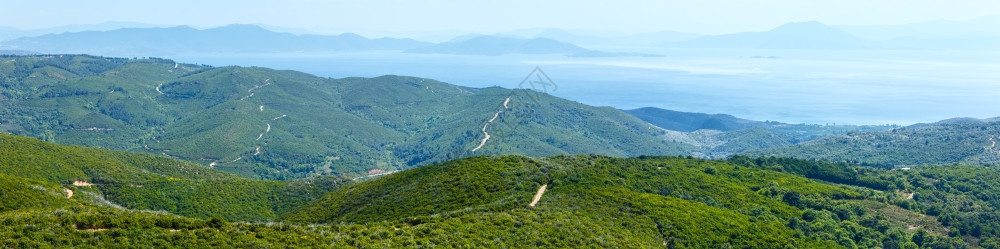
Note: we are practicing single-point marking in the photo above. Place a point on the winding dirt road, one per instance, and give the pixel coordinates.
(257, 151)
(994, 145)
(267, 82)
(374, 175)
(487, 134)
(265, 131)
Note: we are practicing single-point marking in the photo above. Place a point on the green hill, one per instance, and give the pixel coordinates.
(948, 142)
(721, 135)
(283, 124)
(689, 121)
(641, 202)
(147, 182)
(485, 201)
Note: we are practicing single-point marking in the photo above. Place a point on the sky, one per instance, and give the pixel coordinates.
(389, 17)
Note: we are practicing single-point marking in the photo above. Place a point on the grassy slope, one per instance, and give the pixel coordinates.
(149, 182)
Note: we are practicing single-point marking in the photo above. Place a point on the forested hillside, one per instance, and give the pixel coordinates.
(148, 182)
(971, 143)
(720, 135)
(283, 124)
(753, 202)
(496, 201)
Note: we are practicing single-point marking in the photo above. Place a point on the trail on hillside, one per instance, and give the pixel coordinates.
(374, 175)
(994, 145)
(256, 150)
(82, 184)
(487, 134)
(267, 82)
(265, 131)
(538, 195)
(69, 193)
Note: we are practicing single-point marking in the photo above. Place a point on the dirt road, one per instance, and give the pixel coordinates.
(538, 196)
(487, 134)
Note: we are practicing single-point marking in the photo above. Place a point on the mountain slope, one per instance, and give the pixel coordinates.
(947, 142)
(148, 182)
(283, 124)
(688, 121)
(644, 202)
(641, 195)
(484, 202)
(131, 42)
(720, 135)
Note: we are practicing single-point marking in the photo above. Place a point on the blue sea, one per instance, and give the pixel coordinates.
(794, 86)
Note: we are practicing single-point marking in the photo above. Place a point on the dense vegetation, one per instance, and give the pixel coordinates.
(147, 182)
(719, 135)
(973, 142)
(482, 201)
(645, 202)
(283, 124)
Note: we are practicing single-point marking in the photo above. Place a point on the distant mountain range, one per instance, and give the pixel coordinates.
(155, 41)
(142, 42)
(816, 35)
(17, 52)
(8, 33)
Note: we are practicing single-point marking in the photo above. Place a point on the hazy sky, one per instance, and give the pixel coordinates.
(381, 17)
